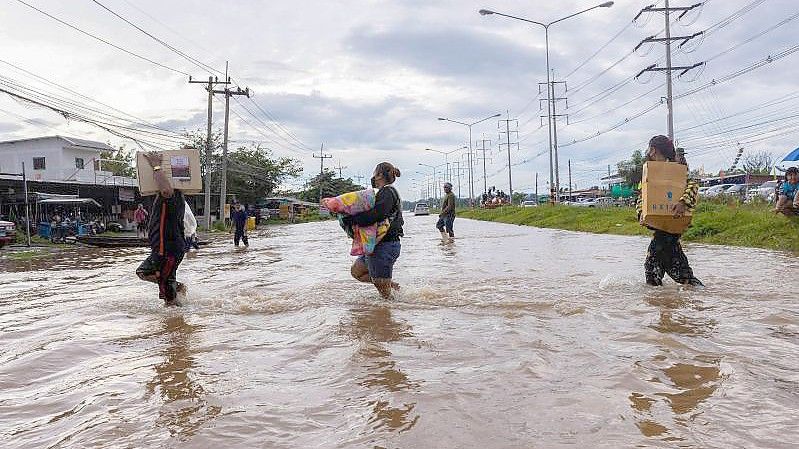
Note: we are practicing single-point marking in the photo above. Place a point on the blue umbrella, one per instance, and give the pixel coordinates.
(790, 160)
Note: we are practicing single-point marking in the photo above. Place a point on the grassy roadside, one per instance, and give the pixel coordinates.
(715, 223)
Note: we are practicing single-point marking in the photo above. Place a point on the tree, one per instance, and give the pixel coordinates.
(119, 162)
(632, 169)
(331, 186)
(253, 172)
(759, 163)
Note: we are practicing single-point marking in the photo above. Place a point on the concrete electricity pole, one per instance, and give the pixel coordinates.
(483, 149)
(223, 180)
(340, 170)
(212, 81)
(508, 144)
(322, 156)
(666, 10)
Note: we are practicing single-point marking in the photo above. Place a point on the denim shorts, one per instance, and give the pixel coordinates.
(381, 262)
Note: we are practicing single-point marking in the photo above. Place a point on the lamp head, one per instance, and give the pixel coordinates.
(441, 118)
(496, 115)
(606, 5)
(487, 12)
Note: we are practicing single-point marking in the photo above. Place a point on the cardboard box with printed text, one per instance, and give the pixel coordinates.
(662, 185)
(182, 168)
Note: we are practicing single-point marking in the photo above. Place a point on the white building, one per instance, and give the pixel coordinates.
(59, 159)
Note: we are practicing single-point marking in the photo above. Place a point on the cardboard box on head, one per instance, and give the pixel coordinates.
(182, 168)
(662, 185)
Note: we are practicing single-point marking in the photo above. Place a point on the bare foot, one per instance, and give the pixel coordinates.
(395, 286)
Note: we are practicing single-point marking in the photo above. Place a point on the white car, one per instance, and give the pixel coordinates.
(8, 232)
(716, 190)
(529, 203)
(421, 209)
(604, 201)
(768, 191)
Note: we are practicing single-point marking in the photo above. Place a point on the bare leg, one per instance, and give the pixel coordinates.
(360, 272)
(383, 286)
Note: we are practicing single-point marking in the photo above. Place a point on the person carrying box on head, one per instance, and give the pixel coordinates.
(165, 232)
(669, 220)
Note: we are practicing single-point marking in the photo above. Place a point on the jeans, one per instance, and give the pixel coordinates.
(446, 221)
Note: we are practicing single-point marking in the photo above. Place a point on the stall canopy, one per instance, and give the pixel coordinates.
(71, 202)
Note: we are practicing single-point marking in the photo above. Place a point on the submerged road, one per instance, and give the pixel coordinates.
(511, 337)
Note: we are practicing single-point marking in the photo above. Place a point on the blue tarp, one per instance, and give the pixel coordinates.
(790, 160)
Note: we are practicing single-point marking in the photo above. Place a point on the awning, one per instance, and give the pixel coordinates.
(71, 202)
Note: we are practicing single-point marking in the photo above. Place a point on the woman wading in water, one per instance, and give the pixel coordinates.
(378, 267)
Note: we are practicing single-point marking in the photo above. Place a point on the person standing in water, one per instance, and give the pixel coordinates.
(665, 254)
(239, 218)
(378, 267)
(140, 218)
(447, 216)
(166, 236)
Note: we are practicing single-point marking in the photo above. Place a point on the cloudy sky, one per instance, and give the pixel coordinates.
(369, 78)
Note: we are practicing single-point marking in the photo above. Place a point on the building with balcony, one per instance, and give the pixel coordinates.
(59, 159)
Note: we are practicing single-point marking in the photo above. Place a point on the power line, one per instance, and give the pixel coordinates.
(194, 61)
(136, 55)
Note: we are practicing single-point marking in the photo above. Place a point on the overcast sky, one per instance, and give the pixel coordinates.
(370, 78)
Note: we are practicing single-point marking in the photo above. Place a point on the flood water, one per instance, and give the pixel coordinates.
(512, 337)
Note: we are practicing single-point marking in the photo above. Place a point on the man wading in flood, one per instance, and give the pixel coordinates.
(165, 232)
(378, 267)
(447, 216)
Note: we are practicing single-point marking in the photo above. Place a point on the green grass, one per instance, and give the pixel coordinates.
(23, 255)
(718, 223)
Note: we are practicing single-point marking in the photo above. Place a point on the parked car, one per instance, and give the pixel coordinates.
(737, 191)
(530, 203)
(8, 233)
(421, 209)
(604, 201)
(768, 190)
(716, 190)
(702, 191)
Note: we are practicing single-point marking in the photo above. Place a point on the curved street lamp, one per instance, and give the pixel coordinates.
(554, 189)
(469, 125)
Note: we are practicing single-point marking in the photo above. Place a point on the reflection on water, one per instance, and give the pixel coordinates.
(374, 327)
(184, 407)
(510, 337)
(688, 384)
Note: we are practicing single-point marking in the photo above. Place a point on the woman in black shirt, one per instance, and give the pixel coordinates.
(377, 268)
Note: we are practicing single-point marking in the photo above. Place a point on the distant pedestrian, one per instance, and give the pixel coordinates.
(378, 267)
(165, 231)
(665, 254)
(140, 218)
(446, 218)
(190, 229)
(239, 218)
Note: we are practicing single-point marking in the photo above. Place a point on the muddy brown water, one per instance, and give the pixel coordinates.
(512, 337)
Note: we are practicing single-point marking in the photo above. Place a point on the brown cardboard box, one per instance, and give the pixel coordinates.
(662, 186)
(182, 167)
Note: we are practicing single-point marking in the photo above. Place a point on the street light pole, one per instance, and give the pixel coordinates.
(469, 125)
(554, 189)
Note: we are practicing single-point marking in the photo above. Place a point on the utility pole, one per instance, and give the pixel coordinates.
(536, 188)
(340, 170)
(223, 180)
(483, 148)
(553, 115)
(669, 68)
(458, 164)
(508, 145)
(322, 156)
(212, 81)
(570, 181)
(359, 178)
